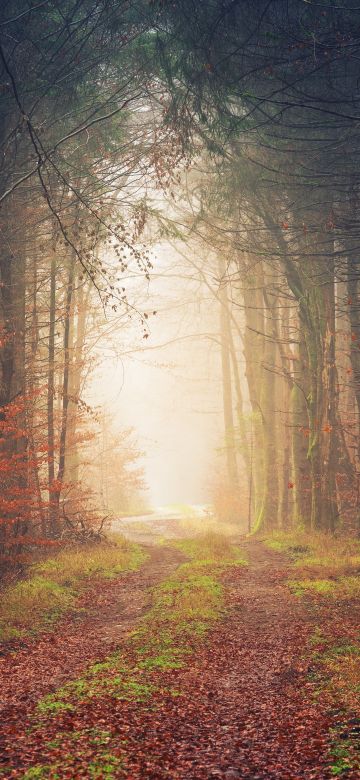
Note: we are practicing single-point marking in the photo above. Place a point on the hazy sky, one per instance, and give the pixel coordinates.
(169, 394)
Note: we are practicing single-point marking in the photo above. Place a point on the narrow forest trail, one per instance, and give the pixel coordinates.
(244, 707)
(106, 612)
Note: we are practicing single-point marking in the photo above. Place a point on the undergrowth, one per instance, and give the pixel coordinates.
(337, 677)
(199, 526)
(318, 553)
(52, 586)
(210, 548)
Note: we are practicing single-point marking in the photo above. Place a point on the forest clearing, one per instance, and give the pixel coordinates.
(179, 389)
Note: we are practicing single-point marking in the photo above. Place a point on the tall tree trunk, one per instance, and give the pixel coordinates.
(267, 518)
(243, 440)
(301, 476)
(34, 477)
(65, 388)
(225, 336)
(81, 302)
(254, 346)
(53, 512)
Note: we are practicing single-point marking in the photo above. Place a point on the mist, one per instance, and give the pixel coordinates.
(169, 388)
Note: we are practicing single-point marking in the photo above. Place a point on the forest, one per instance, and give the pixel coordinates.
(179, 389)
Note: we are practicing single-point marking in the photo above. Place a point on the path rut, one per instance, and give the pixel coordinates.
(112, 607)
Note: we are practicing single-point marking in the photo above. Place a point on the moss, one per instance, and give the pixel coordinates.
(41, 772)
(341, 759)
(105, 768)
(300, 587)
(51, 704)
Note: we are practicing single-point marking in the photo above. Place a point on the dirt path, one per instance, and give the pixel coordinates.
(245, 708)
(111, 607)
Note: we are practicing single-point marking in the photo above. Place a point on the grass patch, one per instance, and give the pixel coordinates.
(341, 757)
(345, 748)
(30, 602)
(106, 766)
(341, 588)
(112, 678)
(40, 772)
(210, 549)
(338, 665)
(318, 553)
(300, 587)
(193, 525)
(53, 585)
(337, 676)
(104, 561)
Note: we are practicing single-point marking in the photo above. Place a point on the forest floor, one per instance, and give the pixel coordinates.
(242, 700)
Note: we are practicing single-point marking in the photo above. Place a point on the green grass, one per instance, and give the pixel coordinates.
(317, 553)
(41, 772)
(210, 549)
(340, 755)
(35, 601)
(322, 564)
(339, 667)
(300, 587)
(52, 586)
(105, 766)
(336, 673)
(340, 588)
(112, 678)
(105, 561)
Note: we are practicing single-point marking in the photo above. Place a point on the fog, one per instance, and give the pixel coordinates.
(168, 385)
